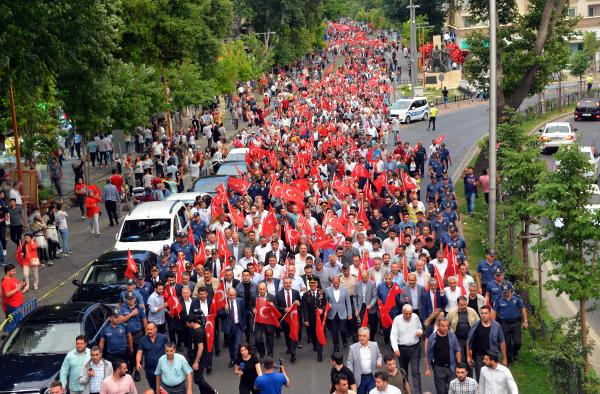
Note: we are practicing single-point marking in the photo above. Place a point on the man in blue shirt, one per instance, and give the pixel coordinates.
(151, 347)
(116, 341)
(485, 270)
(471, 182)
(132, 288)
(494, 287)
(271, 382)
(134, 317)
(182, 245)
(143, 287)
(510, 312)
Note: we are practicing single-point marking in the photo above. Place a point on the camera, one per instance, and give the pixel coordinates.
(280, 365)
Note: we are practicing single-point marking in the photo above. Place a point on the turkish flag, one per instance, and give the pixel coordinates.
(292, 235)
(293, 321)
(200, 257)
(236, 216)
(438, 277)
(439, 139)
(269, 224)
(216, 209)
(339, 186)
(180, 269)
(220, 189)
(291, 193)
(365, 320)
(304, 225)
(404, 270)
(461, 284)
(408, 182)
(386, 320)
(221, 244)
(360, 172)
(276, 189)
(368, 192)
(219, 299)
(210, 332)
(130, 271)
(380, 182)
(452, 268)
(300, 184)
(173, 303)
(266, 313)
(390, 302)
(320, 329)
(335, 223)
(238, 185)
(362, 216)
(190, 235)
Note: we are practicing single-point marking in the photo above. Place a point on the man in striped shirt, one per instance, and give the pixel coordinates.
(463, 384)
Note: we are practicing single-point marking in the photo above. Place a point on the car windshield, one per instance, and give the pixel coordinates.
(231, 169)
(557, 129)
(208, 185)
(110, 273)
(401, 104)
(42, 338)
(143, 230)
(235, 157)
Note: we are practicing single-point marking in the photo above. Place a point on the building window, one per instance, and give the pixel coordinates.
(590, 11)
(572, 12)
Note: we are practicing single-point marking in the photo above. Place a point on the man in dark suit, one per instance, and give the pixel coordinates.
(236, 248)
(233, 323)
(228, 280)
(313, 301)
(365, 299)
(189, 306)
(280, 255)
(414, 293)
(308, 275)
(213, 264)
(263, 333)
(432, 299)
(272, 283)
(285, 299)
(205, 302)
(246, 290)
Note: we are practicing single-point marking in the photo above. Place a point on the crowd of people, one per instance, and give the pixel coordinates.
(329, 235)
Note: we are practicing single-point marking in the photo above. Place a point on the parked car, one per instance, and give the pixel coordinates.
(236, 154)
(105, 278)
(557, 134)
(587, 110)
(151, 225)
(208, 184)
(592, 207)
(190, 197)
(33, 353)
(590, 154)
(409, 109)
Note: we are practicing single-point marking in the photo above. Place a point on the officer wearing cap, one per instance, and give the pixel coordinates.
(132, 288)
(134, 317)
(449, 214)
(116, 342)
(510, 312)
(143, 287)
(198, 227)
(313, 301)
(494, 288)
(165, 263)
(182, 245)
(485, 270)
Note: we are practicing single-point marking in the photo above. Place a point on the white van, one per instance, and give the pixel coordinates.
(151, 225)
(409, 109)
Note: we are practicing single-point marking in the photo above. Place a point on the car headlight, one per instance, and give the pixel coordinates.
(570, 137)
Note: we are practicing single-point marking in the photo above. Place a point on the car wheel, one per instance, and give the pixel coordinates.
(425, 116)
(407, 120)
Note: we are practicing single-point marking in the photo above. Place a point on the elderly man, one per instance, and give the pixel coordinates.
(405, 340)
(286, 298)
(340, 312)
(94, 371)
(364, 301)
(364, 358)
(413, 292)
(233, 323)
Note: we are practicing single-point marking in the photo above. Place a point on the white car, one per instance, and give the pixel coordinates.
(236, 154)
(557, 134)
(409, 109)
(151, 225)
(588, 152)
(592, 207)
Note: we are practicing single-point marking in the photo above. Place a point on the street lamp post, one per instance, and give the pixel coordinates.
(493, 120)
(413, 48)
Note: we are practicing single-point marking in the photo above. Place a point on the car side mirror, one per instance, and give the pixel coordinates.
(540, 131)
(575, 129)
(76, 282)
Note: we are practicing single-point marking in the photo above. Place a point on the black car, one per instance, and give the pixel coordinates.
(105, 278)
(33, 353)
(587, 110)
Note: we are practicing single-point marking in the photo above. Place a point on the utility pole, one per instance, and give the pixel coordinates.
(266, 40)
(413, 48)
(493, 119)
(17, 137)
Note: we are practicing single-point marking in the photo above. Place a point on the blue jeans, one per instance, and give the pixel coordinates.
(470, 197)
(64, 234)
(10, 309)
(367, 383)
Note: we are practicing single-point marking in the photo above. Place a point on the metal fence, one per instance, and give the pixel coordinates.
(13, 320)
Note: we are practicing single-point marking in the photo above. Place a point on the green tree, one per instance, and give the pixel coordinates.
(580, 63)
(591, 46)
(526, 46)
(572, 234)
(241, 60)
(434, 11)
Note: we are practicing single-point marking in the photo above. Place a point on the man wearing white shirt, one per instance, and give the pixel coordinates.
(496, 378)
(390, 244)
(421, 273)
(377, 272)
(405, 340)
(300, 258)
(247, 258)
(364, 358)
(382, 386)
(377, 251)
(261, 250)
(452, 292)
(467, 279)
(278, 270)
(440, 263)
(362, 244)
(297, 282)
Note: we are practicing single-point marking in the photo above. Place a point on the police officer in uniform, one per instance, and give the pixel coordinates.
(182, 245)
(143, 287)
(134, 317)
(494, 287)
(313, 300)
(132, 288)
(510, 312)
(116, 341)
(197, 353)
(485, 270)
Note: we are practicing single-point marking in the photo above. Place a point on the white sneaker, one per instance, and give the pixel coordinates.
(4, 252)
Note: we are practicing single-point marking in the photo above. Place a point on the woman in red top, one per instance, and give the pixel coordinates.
(12, 290)
(80, 193)
(92, 211)
(27, 256)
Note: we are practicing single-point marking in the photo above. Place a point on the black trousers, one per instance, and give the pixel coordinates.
(170, 328)
(203, 385)
(512, 335)
(477, 364)
(111, 210)
(411, 355)
(442, 376)
(431, 122)
(150, 377)
(137, 336)
(16, 232)
(93, 156)
(3, 235)
(338, 328)
(264, 334)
